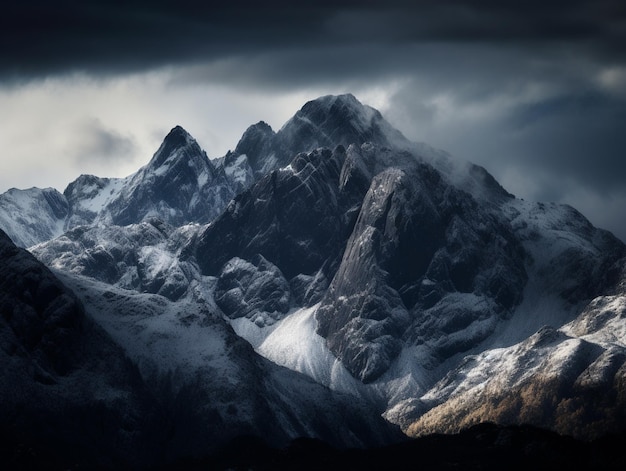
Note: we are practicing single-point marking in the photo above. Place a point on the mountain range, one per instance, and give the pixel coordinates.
(330, 280)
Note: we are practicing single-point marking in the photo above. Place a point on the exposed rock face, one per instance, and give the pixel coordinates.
(292, 217)
(80, 193)
(255, 289)
(258, 144)
(419, 246)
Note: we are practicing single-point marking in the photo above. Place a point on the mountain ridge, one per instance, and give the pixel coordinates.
(381, 269)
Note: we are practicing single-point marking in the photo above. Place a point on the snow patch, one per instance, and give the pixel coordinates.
(293, 342)
(160, 336)
(100, 199)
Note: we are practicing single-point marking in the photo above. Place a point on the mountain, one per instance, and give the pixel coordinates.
(335, 262)
(569, 374)
(413, 269)
(127, 380)
(179, 185)
(413, 263)
(68, 391)
(140, 257)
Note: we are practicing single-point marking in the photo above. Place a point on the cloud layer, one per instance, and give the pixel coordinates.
(535, 92)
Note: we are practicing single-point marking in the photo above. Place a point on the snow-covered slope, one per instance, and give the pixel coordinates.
(569, 379)
(179, 185)
(32, 216)
(88, 195)
(141, 257)
(217, 386)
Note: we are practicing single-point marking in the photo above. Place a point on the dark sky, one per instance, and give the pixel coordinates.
(534, 91)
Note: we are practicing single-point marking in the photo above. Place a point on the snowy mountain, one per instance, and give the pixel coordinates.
(416, 261)
(179, 185)
(560, 361)
(140, 257)
(32, 216)
(413, 269)
(379, 274)
(132, 379)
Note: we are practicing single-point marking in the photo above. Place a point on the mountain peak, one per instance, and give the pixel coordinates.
(178, 131)
(347, 99)
(331, 120)
(176, 139)
(344, 106)
(172, 186)
(254, 137)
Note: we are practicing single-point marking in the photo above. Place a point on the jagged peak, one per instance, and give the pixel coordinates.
(176, 139)
(253, 137)
(261, 126)
(178, 132)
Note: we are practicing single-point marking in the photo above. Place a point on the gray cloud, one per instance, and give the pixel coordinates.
(92, 141)
(560, 142)
(578, 136)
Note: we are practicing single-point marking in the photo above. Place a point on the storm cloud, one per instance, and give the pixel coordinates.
(534, 91)
(43, 37)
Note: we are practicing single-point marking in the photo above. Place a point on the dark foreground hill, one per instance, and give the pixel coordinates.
(483, 447)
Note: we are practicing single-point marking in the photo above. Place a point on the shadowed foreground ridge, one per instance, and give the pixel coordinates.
(484, 447)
